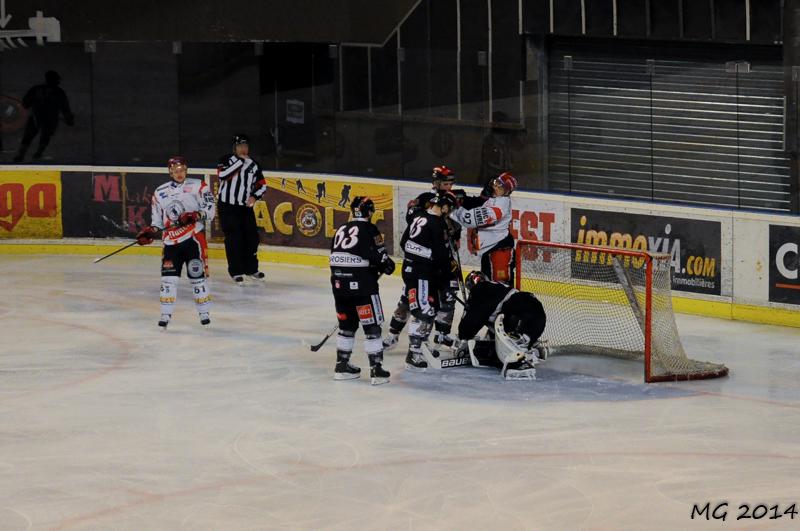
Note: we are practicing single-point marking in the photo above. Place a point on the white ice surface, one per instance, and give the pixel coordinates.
(105, 423)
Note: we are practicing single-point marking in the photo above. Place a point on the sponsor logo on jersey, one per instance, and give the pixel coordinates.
(201, 300)
(195, 268)
(337, 284)
(166, 300)
(354, 285)
(376, 303)
(309, 220)
(347, 260)
(341, 316)
(417, 249)
(365, 314)
(412, 299)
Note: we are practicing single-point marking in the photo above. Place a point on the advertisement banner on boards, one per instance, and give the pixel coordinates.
(305, 212)
(784, 264)
(30, 204)
(694, 245)
(109, 204)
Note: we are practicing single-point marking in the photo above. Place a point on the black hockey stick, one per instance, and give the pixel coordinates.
(318, 346)
(134, 242)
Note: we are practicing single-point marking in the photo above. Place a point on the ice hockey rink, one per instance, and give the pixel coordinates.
(109, 424)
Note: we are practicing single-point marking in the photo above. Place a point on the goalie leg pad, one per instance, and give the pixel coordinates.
(169, 293)
(509, 349)
(202, 297)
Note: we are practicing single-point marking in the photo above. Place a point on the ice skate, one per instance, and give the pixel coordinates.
(163, 321)
(390, 341)
(443, 339)
(259, 276)
(346, 371)
(415, 361)
(378, 375)
(520, 370)
(205, 319)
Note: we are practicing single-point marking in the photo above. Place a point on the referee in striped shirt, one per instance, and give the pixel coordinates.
(241, 184)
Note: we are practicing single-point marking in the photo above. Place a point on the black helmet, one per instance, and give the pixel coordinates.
(473, 278)
(362, 207)
(443, 174)
(443, 198)
(240, 139)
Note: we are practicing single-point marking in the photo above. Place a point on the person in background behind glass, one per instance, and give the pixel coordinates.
(45, 102)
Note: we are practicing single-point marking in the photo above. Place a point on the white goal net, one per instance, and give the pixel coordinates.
(612, 302)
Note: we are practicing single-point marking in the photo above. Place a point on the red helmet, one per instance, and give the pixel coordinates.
(507, 181)
(176, 161)
(443, 174)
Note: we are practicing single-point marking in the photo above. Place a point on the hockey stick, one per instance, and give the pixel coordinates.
(318, 346)
(134, 242)
(454, 252)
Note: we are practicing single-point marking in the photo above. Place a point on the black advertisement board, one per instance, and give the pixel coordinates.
(784, 264)
(694, 245)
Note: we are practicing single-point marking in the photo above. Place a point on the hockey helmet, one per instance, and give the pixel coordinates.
(473, 278)
(444, 198)
(362, 207)
(240, 139)
(443, 174)
(507, 181)
(176, 161)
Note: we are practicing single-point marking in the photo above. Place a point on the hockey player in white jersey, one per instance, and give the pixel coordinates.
(492, 240)
(180, 210)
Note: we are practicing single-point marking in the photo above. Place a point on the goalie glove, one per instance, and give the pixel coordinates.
(146, 235)
(188, 218)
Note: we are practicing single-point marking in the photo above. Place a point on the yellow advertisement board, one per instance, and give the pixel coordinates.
(305, 212)
(30, 204)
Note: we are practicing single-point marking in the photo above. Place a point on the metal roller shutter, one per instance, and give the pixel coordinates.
(645, 123)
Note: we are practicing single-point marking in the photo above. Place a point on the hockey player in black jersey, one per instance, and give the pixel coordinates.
(515, 320)
(427, 265)
(443, 180)
(358, 258)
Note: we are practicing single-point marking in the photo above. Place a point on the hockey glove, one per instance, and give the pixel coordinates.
(146, 235)
(388, 266)
(488, 189)
(187, 218)
(460, 194)
(453, 266)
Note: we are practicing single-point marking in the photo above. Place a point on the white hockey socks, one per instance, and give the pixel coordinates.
(202, 297)
(169, 293)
